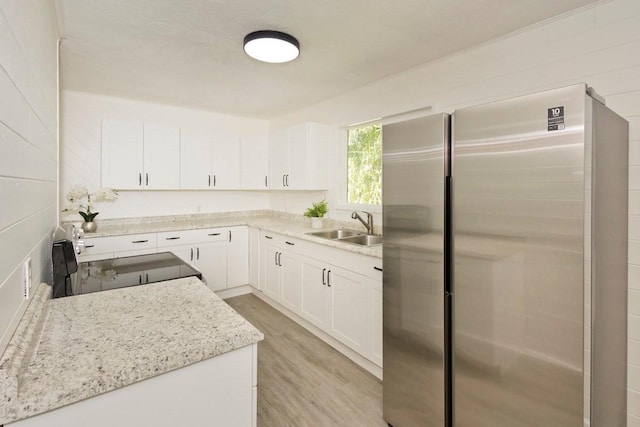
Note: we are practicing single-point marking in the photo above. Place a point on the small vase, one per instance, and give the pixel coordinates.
(316, 222)
(89, 227)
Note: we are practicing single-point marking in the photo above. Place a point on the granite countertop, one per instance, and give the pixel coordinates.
(277, 222)
(91, 344)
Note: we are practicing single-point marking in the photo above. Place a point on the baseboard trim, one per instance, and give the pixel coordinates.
(234, 292)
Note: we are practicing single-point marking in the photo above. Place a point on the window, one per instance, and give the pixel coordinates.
(364, 165)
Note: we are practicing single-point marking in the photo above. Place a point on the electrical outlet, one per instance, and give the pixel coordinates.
(26, 274)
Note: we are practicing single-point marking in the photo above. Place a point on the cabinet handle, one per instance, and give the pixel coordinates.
(197, 253)
(214, 180)
(209, 180)
(229, 235)
(329, 278)
(265, 180)
(290, 243)
(280, 259)
(287, 179)
(88, 246)
(146, 179)
(172, 238)
(214, 234)
(191, 254)
(268, 237)
(283, 183)
(377, 268)
(146, 276)
(140, 179)
(140, 241)
(275, 259)
(323, 281)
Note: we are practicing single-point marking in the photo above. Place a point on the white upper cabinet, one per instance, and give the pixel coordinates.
(209, 160)
(122, 154)
(299, 157)
(161, 149)
(254, 163)
(137, 156)
(196, 152)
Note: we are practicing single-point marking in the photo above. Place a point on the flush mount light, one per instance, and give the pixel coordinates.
(271, 46)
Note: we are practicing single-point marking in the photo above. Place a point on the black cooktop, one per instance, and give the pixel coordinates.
(103, 275)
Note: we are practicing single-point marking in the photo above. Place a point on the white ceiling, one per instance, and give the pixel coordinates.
(189, 52)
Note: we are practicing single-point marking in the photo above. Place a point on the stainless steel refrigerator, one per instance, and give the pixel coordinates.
(505, 264)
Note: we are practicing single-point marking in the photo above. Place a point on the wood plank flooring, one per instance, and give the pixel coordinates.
(302, 381)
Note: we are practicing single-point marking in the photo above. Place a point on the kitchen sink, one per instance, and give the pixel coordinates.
(336, 234)
(363, 240)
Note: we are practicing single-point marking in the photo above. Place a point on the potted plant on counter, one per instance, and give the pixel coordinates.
(316, 212)
(81, 201)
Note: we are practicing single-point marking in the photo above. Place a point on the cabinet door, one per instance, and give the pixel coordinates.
(374, 319)
(254, 163)
(271, 282)
(211, 260)
(196, 153)
(298, 158)
(291, 267)
(318, 143)
(161, 157)
(279, 159)
(226, 160)
(122, 154)
(254, 257)
(186, 253)
(238, 257)
(348, 308)
(315, 294)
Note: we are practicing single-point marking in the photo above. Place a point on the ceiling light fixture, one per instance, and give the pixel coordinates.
(271, 46)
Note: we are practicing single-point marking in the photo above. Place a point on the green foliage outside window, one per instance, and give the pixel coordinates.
(364, 165)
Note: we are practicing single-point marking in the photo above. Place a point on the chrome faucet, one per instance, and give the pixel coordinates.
(368, 224)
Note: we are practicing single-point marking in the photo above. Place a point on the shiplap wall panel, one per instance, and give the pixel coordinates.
(28, 160)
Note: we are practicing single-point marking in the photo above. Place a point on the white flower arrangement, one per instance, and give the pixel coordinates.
(81, 201)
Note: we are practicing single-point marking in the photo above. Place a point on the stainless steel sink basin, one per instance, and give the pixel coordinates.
(363, 240)
(336, 234)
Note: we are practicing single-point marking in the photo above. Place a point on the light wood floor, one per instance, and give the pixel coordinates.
(303, 381)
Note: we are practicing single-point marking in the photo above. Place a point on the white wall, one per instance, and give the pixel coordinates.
(80, 147)
(600, 46)
(28, 143)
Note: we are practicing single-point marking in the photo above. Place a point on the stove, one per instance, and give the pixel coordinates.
(104, 275)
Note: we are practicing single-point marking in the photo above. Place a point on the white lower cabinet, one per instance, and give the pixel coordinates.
(208, 258)
(334, 299)
(338, 292)
(281, 269)
(97, 248)
(220, 254)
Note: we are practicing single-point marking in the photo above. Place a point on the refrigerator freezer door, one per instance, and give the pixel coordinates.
(413, 212)
(519, 218)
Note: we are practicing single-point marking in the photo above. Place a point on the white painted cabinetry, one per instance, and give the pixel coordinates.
(336, 291)
(299, 157)
(254, 257)
(221, 254)
(335, 300)
(97, 248)
(282, 269)
(254, 163)
(209, 159)
(237, 256)
(140, 156)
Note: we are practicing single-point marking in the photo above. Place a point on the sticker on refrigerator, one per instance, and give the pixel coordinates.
(555, 118)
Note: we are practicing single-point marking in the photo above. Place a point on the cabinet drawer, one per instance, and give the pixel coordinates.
(281, 241)
(190, 237)
(133, 242)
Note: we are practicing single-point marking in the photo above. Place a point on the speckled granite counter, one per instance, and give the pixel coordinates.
(277, 222)
(91, 344)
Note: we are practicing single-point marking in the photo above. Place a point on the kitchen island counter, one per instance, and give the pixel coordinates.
(91, 344)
